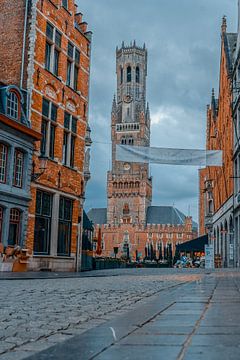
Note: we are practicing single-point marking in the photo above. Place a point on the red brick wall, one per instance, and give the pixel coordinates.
(49, 86)
(11, 40)
(139, 236)
(219, 137)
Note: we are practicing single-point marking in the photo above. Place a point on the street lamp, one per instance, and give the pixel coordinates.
(42, 167)
(115, 249)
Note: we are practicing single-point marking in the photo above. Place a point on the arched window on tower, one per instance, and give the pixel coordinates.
(137, 75)
(121, 75)
(123, 141)
(126, 209)
(130, 140)
(129, 74)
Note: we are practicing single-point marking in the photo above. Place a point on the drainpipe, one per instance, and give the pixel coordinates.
(78, 262)
(24, 44)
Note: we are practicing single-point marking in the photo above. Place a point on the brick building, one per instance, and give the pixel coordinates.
(130, 222)
(48, 55)
(216, 183)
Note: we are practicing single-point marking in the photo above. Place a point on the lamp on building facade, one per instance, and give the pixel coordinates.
(42, 167)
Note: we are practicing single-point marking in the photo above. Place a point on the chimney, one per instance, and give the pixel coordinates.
(78, 18)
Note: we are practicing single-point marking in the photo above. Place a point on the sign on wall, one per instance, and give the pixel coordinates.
(209, 257)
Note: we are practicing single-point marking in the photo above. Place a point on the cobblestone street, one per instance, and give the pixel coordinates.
(39, 313)
(122, 314)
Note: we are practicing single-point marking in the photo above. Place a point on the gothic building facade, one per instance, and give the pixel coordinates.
(216, 183)
(130, 223)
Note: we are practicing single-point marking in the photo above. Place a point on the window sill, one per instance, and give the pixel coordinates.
(54, 256)
(69, 13)
(70, 168)
(55, 76)
(75, 91)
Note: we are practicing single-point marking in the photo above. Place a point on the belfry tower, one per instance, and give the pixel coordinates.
(129, 186)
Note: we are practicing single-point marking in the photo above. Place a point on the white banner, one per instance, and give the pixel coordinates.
(153, 155)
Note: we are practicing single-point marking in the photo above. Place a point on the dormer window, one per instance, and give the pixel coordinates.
(13, 107)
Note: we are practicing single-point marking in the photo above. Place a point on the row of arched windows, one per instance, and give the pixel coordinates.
(129, 74)
(126, 185)
(127, 140)
(128, 126)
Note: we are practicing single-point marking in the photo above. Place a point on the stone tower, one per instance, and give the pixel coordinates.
(129, 186)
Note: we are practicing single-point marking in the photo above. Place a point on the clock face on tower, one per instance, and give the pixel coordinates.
(127, 99)
(126, 166)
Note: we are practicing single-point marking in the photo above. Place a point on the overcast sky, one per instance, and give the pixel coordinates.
(183, 42)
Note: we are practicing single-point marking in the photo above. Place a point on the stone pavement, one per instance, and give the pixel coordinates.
(136, 315)
(38, 313)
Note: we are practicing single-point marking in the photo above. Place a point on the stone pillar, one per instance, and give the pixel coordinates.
(5, 230)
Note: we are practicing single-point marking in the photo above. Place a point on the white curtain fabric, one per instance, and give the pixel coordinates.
(153, 155)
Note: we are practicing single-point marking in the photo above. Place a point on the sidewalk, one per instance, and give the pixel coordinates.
(195, 321)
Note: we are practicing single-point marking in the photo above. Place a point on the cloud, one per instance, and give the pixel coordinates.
(183, 41)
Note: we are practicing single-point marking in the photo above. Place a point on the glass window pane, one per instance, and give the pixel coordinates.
(12, 105)
(56, 62)
(69, 72)
(48, 56)
(65, 148)
(44, 137)
(70, 50)
(72, 151)
(13, 234)
(46, 204)
(49, 31)
(77, 56)
(52, 141)
(18, 168)
(39, 202)
(54, 112)
(61, 208)
(67, 120)
(45, 107)
(42, 235)
(74, 125)
(67, 209)
(64, 237)
(3, 163)
(65, 3)
(58, 38)
(75, 84)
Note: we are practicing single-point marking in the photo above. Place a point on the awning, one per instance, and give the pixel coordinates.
(195, 245)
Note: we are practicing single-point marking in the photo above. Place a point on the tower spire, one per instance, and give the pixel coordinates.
(224, 24)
